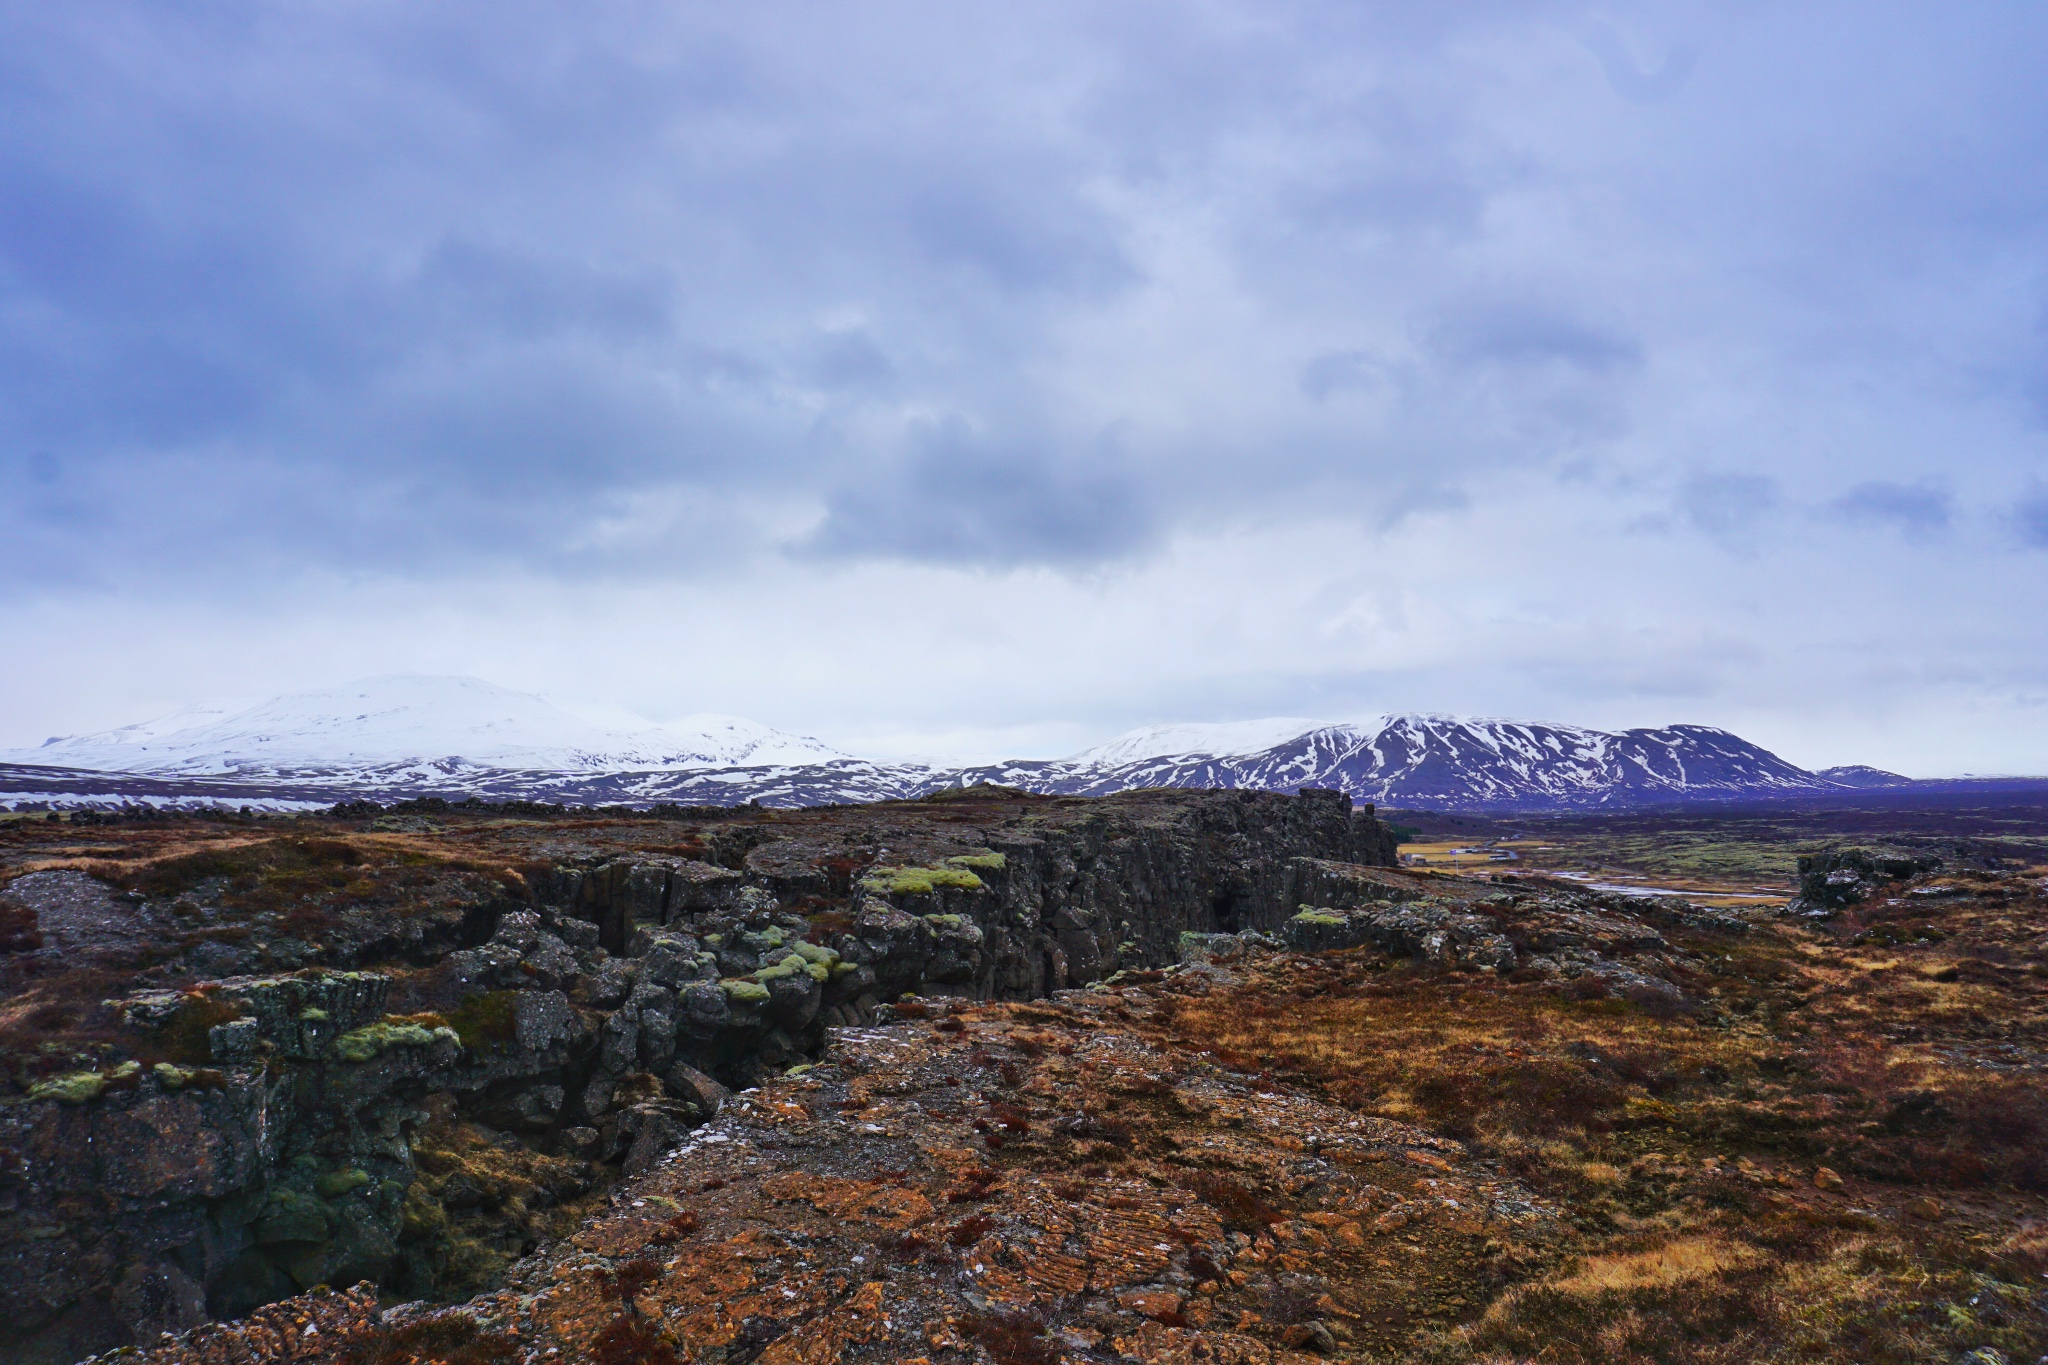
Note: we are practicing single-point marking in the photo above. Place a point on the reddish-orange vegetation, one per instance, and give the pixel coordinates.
(1825, 1145)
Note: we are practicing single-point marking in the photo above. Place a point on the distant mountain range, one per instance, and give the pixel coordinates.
(391, 723)
(391, 738)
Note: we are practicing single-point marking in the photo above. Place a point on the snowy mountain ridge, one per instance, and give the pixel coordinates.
(1442, 762)
(413, 719)
(410, 735)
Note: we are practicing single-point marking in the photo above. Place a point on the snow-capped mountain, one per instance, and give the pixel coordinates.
(409, 722)
(1434, 763)
(410, 735)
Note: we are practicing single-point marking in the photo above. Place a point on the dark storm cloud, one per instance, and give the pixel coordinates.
(628, 289)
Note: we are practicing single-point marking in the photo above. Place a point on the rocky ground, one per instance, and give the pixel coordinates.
(1181, 1078)
(245, 1057)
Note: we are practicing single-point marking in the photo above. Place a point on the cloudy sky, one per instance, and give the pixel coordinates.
(987, 379)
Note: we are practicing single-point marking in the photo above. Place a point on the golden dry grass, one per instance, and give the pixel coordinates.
(1675, 1262)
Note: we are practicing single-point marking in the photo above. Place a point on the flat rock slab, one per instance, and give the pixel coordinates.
(80, 916)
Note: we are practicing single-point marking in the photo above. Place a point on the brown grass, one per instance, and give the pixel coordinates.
(1684, 1148)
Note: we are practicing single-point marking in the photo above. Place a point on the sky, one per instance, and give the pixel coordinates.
(968, 381)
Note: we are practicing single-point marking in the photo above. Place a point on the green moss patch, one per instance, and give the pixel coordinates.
(335, 1184)
(912, 881)
(73, 1087)
(789, 966)
(373, 1040)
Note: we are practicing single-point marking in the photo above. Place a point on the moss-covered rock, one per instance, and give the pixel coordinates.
(815, 952)
(744, 992)
(73, 1087)
(766, 940)
(912, 881)
(793, 965)
(373, 1040)
(335, 1184)
(979, 862)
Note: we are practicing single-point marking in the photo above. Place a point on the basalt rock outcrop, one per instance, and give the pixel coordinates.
(439, 1090)
(1831, 880)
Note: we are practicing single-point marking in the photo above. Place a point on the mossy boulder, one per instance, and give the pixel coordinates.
(73, 1087)
(793, 965)
(171, 1076)
(1316, 930)
(914, 881)
(374, 1040)
(744, 992)
(816, 953)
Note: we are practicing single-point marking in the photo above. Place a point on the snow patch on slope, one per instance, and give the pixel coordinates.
(1243, 737)
(417, 719)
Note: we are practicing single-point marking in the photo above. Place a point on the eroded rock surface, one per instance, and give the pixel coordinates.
(1032, 1181)
(360, 1050)
(1639, 1131)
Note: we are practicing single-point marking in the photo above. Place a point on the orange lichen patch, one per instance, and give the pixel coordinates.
(722, 1322)
(882, 1206)
(1159, 1304)
(576, 1310)
(1126, 1246)
(858, 1319)
(1052, 1274)
(881, 1085)
(1154, 1344)
(621, 1237)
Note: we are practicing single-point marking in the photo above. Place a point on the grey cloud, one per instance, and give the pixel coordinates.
(1727, 507)
(448, 287)
(1627, 78)
(2030, 518)
(959, 499)
(1334, 371)
(1017, 241)
(1918, 509)
(471, 286)
(1499, 332)
(849, 358)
